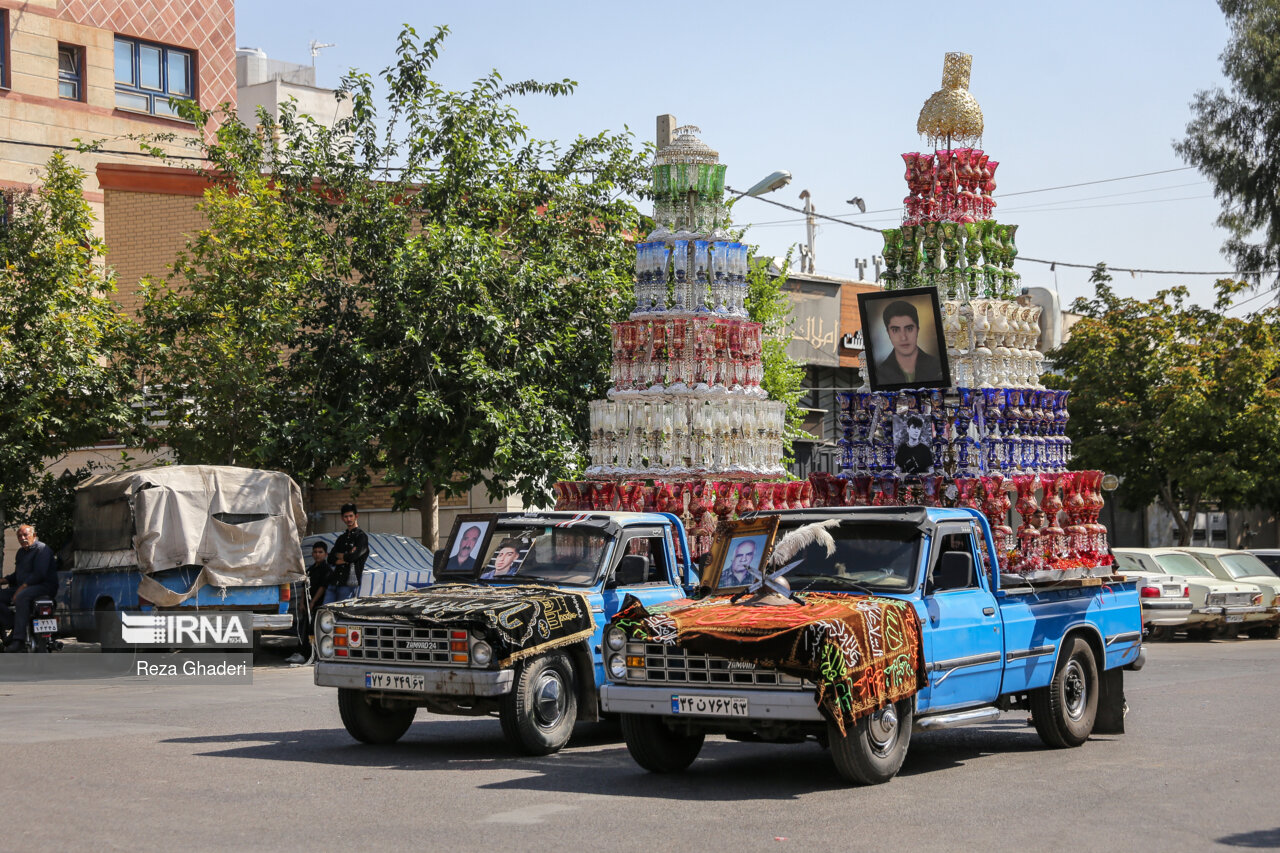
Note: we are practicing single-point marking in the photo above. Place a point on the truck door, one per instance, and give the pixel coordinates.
(644, 570)
(962, 623)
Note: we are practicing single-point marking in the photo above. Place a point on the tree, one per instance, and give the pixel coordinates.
(1181, 402)
(1234, 137)
(454, 279)
(60, 336)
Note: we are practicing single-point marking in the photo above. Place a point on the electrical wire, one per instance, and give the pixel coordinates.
(102, 150)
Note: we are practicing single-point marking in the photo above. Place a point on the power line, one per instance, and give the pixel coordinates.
(102, 150)
(1100, 181)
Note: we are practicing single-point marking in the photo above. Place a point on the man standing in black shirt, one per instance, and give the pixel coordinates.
(35, 576)
(309, 597)
(348, 555)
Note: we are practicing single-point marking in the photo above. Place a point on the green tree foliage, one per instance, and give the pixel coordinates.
(60, 334)
(767, 304)
(1234, 136)
(453, 280)
(1182, 402)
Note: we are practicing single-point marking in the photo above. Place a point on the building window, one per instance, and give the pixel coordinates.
(152, 78)
(70, 72)
(4, 48)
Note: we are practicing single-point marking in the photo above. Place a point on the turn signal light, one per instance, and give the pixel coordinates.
(1257, 599)
(286, 593)
(458, 646)
(1186, 593)
(459, 658)
(1149, 592)
(457, 635)
(635, 661)
(340, 640)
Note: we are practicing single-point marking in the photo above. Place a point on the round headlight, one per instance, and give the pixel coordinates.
(326, 647)
(615, 639)
(324, 622)
(617, 667)
(482, 653)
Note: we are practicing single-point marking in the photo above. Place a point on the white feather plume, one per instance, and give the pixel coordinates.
(802, 537)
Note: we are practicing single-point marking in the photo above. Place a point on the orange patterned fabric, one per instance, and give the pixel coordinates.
(862, 652)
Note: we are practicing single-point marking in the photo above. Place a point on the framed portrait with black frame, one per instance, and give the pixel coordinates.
(466, 545)
(902, 333)
(738, 552)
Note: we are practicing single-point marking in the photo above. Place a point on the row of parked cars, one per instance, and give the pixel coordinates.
(1205, 592)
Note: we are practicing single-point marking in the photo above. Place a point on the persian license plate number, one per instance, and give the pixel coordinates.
(1235, 618)
(45, 626)
(709, 706)
(405, 681)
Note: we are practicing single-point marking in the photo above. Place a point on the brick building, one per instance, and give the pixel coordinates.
(93, 70)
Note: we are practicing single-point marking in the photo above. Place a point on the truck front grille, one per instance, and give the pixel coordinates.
(399, 644)
(673, 665)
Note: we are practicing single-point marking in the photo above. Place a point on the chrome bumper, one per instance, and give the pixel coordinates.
(441, 681)
(1166, 613)
(272, 621)
(798, 705)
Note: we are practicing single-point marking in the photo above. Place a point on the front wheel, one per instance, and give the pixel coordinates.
(872, 751)
(538, 714)
(657, 748)
(1064, 711)
(369, 720)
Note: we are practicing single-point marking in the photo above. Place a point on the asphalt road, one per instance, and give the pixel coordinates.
(132, 765)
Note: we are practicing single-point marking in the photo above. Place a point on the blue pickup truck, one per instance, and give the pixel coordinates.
(513, 628)
(984, 643)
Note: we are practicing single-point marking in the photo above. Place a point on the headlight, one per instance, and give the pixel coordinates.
(615, 639)
(326, 647)
(481, 653)
(324, 622)
(617, 667)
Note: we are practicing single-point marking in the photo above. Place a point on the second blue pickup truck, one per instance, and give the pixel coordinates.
(516, 633)
(973, 643)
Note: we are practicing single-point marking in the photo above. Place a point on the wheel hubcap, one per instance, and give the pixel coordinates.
(1074, 691)
(883, 728)
(548, 700)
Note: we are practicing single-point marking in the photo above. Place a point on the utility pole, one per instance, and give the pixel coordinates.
(807, 254)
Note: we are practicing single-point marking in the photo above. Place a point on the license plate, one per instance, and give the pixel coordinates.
(405, 681)
(44, 626)
(710, 706)
(1235, 618)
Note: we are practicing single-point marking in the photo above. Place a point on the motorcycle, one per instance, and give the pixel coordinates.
(42, 632)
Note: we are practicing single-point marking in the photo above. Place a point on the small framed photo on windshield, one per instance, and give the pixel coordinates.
(902, 333)
(466, 544)
(738, 551)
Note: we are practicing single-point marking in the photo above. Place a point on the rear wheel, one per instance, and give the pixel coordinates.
(538, 714)
(657, 748)
(368, 720)
(1064, 711)
(873, 750)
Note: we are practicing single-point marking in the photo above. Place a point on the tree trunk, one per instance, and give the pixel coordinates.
(1184, 523)
(429, 506)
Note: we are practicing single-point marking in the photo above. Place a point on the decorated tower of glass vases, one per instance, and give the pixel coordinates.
(686, 427)
(996, 429)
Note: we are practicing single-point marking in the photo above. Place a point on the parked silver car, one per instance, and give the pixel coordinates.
(1214, 603)
(1242, 567)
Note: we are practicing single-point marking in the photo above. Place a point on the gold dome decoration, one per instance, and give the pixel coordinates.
(686, 147)
(952, 115)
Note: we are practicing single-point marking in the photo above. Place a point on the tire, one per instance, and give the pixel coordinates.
(1064, 711)
(872, 752)
(657, 748)
(369, 721)
(538, 714)
(1160, 632)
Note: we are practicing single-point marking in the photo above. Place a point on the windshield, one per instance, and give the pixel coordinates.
(868, 557)
(1245, 566)
(1181, 564)
(544, 554)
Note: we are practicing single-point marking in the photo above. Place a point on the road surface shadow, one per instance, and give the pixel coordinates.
(1261, 839)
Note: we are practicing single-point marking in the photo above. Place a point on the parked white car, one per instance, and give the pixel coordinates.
(1213, 601)
(1242, 567)
(1270, 556)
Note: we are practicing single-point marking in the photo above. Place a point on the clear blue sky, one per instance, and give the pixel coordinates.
(1071, 92)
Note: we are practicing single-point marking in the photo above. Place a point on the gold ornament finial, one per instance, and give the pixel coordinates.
(952, 115)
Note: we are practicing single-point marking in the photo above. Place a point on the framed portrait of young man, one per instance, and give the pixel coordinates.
(902, 333)
(738, 553)
(466, 544)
